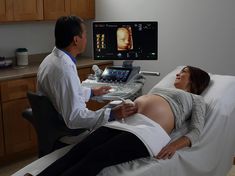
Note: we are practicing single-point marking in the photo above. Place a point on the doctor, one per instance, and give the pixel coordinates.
(58, 79)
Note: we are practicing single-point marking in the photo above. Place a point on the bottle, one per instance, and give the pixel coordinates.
(97, 70)
(21, 56)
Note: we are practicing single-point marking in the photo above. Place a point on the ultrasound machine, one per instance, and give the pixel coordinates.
(126, 41)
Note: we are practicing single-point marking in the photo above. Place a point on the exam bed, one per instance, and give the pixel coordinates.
(211, 156)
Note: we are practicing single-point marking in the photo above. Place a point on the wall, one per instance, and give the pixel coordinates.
(199, 33)
(37, 37)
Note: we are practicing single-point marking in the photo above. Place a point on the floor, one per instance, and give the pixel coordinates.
(232, 171)
(10, 169)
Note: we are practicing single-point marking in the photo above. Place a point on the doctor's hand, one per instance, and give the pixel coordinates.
(97, 91)
(123, 110)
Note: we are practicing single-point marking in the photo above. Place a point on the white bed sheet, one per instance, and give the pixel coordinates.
(211, 156)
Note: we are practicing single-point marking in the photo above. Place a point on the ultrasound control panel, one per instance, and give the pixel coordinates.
(115, 74)
(117, 91)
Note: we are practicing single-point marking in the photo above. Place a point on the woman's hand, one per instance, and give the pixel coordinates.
(97, 91)
(169, 150)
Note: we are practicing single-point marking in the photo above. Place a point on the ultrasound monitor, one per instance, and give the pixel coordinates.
(125, 40)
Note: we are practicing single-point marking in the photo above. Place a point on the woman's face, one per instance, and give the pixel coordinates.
(182, 80)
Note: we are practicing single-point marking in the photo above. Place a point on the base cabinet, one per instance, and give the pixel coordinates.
(1, 136)
(17, 136)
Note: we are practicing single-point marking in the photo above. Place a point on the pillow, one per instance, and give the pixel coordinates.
(219, 93)
(169, 79)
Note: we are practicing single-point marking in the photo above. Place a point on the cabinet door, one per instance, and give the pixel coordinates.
(94, 105)
(18, 132)
(103, 66)
(56, 8)
(83, 8)
(27, 10)
(1, 135)
(6, 14)
(83, 73)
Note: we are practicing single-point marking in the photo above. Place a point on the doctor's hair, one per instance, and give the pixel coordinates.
(199, 79)
(66, 28)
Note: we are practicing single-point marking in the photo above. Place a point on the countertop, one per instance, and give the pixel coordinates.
(31, 69)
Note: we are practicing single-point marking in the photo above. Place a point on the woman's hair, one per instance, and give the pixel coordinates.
(199, 80)
(66, 28)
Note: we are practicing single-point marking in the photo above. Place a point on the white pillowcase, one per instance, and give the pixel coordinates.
(219, 93)
(169, 79)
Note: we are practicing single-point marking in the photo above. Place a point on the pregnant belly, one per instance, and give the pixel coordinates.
(158, 109)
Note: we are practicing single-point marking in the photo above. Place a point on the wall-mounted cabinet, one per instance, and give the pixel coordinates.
(82, 8)
(54, 9)
(31, 10)
(21, 10)
(5, 14)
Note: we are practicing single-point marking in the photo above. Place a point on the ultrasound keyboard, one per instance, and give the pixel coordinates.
(117, 91)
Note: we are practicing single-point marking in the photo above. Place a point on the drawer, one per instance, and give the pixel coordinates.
(103, 66)
(84, 72)
(15, 89)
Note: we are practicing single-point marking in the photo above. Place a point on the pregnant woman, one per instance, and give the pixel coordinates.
(145, 133)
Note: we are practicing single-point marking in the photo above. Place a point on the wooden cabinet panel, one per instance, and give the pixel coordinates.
(27, 10)
(21, 10)
(83, 8)
(1, 135)
(56, 8)
(91, 14)
(14, 89)
(103, 66)
(83, 73)
(94, 105)
(6, 14)
(17, 131)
